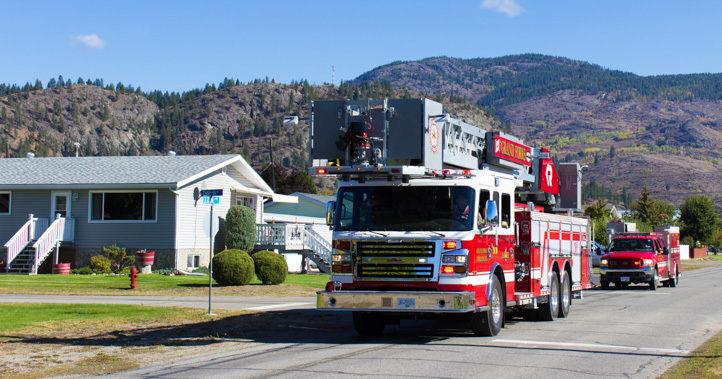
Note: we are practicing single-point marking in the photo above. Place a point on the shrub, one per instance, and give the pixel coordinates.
(99, 264)
(240, 228)
(232, 267)
(118, 258)
(82, 271)
(271, 268)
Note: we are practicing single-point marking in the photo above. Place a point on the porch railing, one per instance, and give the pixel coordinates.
(49, 240)
(30, 231)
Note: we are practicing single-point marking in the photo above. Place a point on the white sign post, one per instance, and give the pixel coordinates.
(211, 197)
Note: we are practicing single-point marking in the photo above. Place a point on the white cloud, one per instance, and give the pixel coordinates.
(510, 7)
(91, 40)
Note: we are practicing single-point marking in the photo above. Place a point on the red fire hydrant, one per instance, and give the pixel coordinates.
(133, 275)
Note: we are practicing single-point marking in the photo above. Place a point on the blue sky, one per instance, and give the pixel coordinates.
(181, 45)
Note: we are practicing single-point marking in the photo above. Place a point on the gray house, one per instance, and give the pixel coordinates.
(66, 209)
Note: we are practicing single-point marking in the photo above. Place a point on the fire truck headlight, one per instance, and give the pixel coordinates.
(461, 259)
(603, 262)
(649, 262)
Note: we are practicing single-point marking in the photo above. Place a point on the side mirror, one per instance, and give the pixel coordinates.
(330, 212)
(492, 213)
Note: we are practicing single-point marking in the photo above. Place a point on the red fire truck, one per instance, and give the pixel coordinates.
(435, 217)
(638, 257)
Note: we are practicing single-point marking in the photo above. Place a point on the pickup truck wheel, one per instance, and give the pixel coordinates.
(653, 282)
(367, 323)
(489, 323)
(565, 295)
(673, 282)
(605, 284)
(550, 310)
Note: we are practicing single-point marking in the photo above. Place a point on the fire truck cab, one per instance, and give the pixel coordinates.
(438, 218)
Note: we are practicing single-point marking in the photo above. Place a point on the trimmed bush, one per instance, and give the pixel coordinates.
(99, 264)
(271, 268)
(240, 228)
(232, 267)
(118, 258)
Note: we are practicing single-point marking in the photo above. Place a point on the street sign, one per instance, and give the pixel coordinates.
(211, 200)
(213, 192)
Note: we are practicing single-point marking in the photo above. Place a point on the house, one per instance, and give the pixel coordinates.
(310, 208)
(68, 208)
(309, 212)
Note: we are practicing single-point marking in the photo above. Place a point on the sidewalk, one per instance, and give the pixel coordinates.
(251, 303)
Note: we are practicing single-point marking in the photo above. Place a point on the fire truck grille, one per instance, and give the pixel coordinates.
(384, 249)
(625, 263)
(399, 271)
(401, 260)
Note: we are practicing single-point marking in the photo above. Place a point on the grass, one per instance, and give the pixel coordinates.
(704, 362)
(153, 284)
(87, 339)
(17, 317)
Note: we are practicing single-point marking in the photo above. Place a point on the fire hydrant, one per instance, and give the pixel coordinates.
(133, 275)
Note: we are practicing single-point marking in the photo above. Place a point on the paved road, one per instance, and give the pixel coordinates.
(617, 333)
(256, 303)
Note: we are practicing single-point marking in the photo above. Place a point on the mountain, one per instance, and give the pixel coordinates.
(664, 132)
(230, 118)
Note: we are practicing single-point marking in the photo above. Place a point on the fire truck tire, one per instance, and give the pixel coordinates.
(368, 323)
(653, 282)
(565, 295)
(673, 282)
(549, 310)
(489, 323)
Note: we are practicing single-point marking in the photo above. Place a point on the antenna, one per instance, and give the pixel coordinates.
(333, 73)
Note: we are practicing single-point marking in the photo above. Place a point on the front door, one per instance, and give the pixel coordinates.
(60, 204)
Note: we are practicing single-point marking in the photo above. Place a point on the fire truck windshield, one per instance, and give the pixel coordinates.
(437, 208)
(631, 244)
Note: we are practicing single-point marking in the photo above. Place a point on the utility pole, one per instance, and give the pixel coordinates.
(273, 168)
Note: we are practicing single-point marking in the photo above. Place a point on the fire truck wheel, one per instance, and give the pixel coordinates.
(565, 295)
(489, 323)
(549, 310)
(675, 280)
(653, 282)
(367, 323)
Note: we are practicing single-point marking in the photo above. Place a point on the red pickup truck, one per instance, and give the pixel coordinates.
(651, 258)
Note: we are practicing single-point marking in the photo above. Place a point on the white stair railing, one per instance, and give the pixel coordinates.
(316, 243)
(273, 234)
(48, 241)
(27, 233)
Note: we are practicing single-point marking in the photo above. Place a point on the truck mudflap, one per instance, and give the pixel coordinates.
(438, 302)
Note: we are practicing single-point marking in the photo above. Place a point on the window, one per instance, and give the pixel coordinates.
(505, 210)
(123, 206)
(4, 203)
(194, 261)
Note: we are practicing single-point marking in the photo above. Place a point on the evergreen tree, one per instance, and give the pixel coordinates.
(698, 216)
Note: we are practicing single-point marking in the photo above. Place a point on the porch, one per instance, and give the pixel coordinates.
(34, 242)
(296, 238)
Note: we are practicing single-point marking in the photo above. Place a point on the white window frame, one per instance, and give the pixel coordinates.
(191, 258)
(90, 207)
(10, 203)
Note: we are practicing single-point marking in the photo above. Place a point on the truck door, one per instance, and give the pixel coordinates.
(663, 268)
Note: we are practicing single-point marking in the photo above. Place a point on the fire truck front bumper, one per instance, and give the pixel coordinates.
(438, 302)
(641, 275)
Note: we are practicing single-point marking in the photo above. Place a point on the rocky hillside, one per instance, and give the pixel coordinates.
(662, 132)
(244, 119)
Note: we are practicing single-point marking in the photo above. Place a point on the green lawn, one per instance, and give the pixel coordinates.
(152, 284)
(20, 316)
